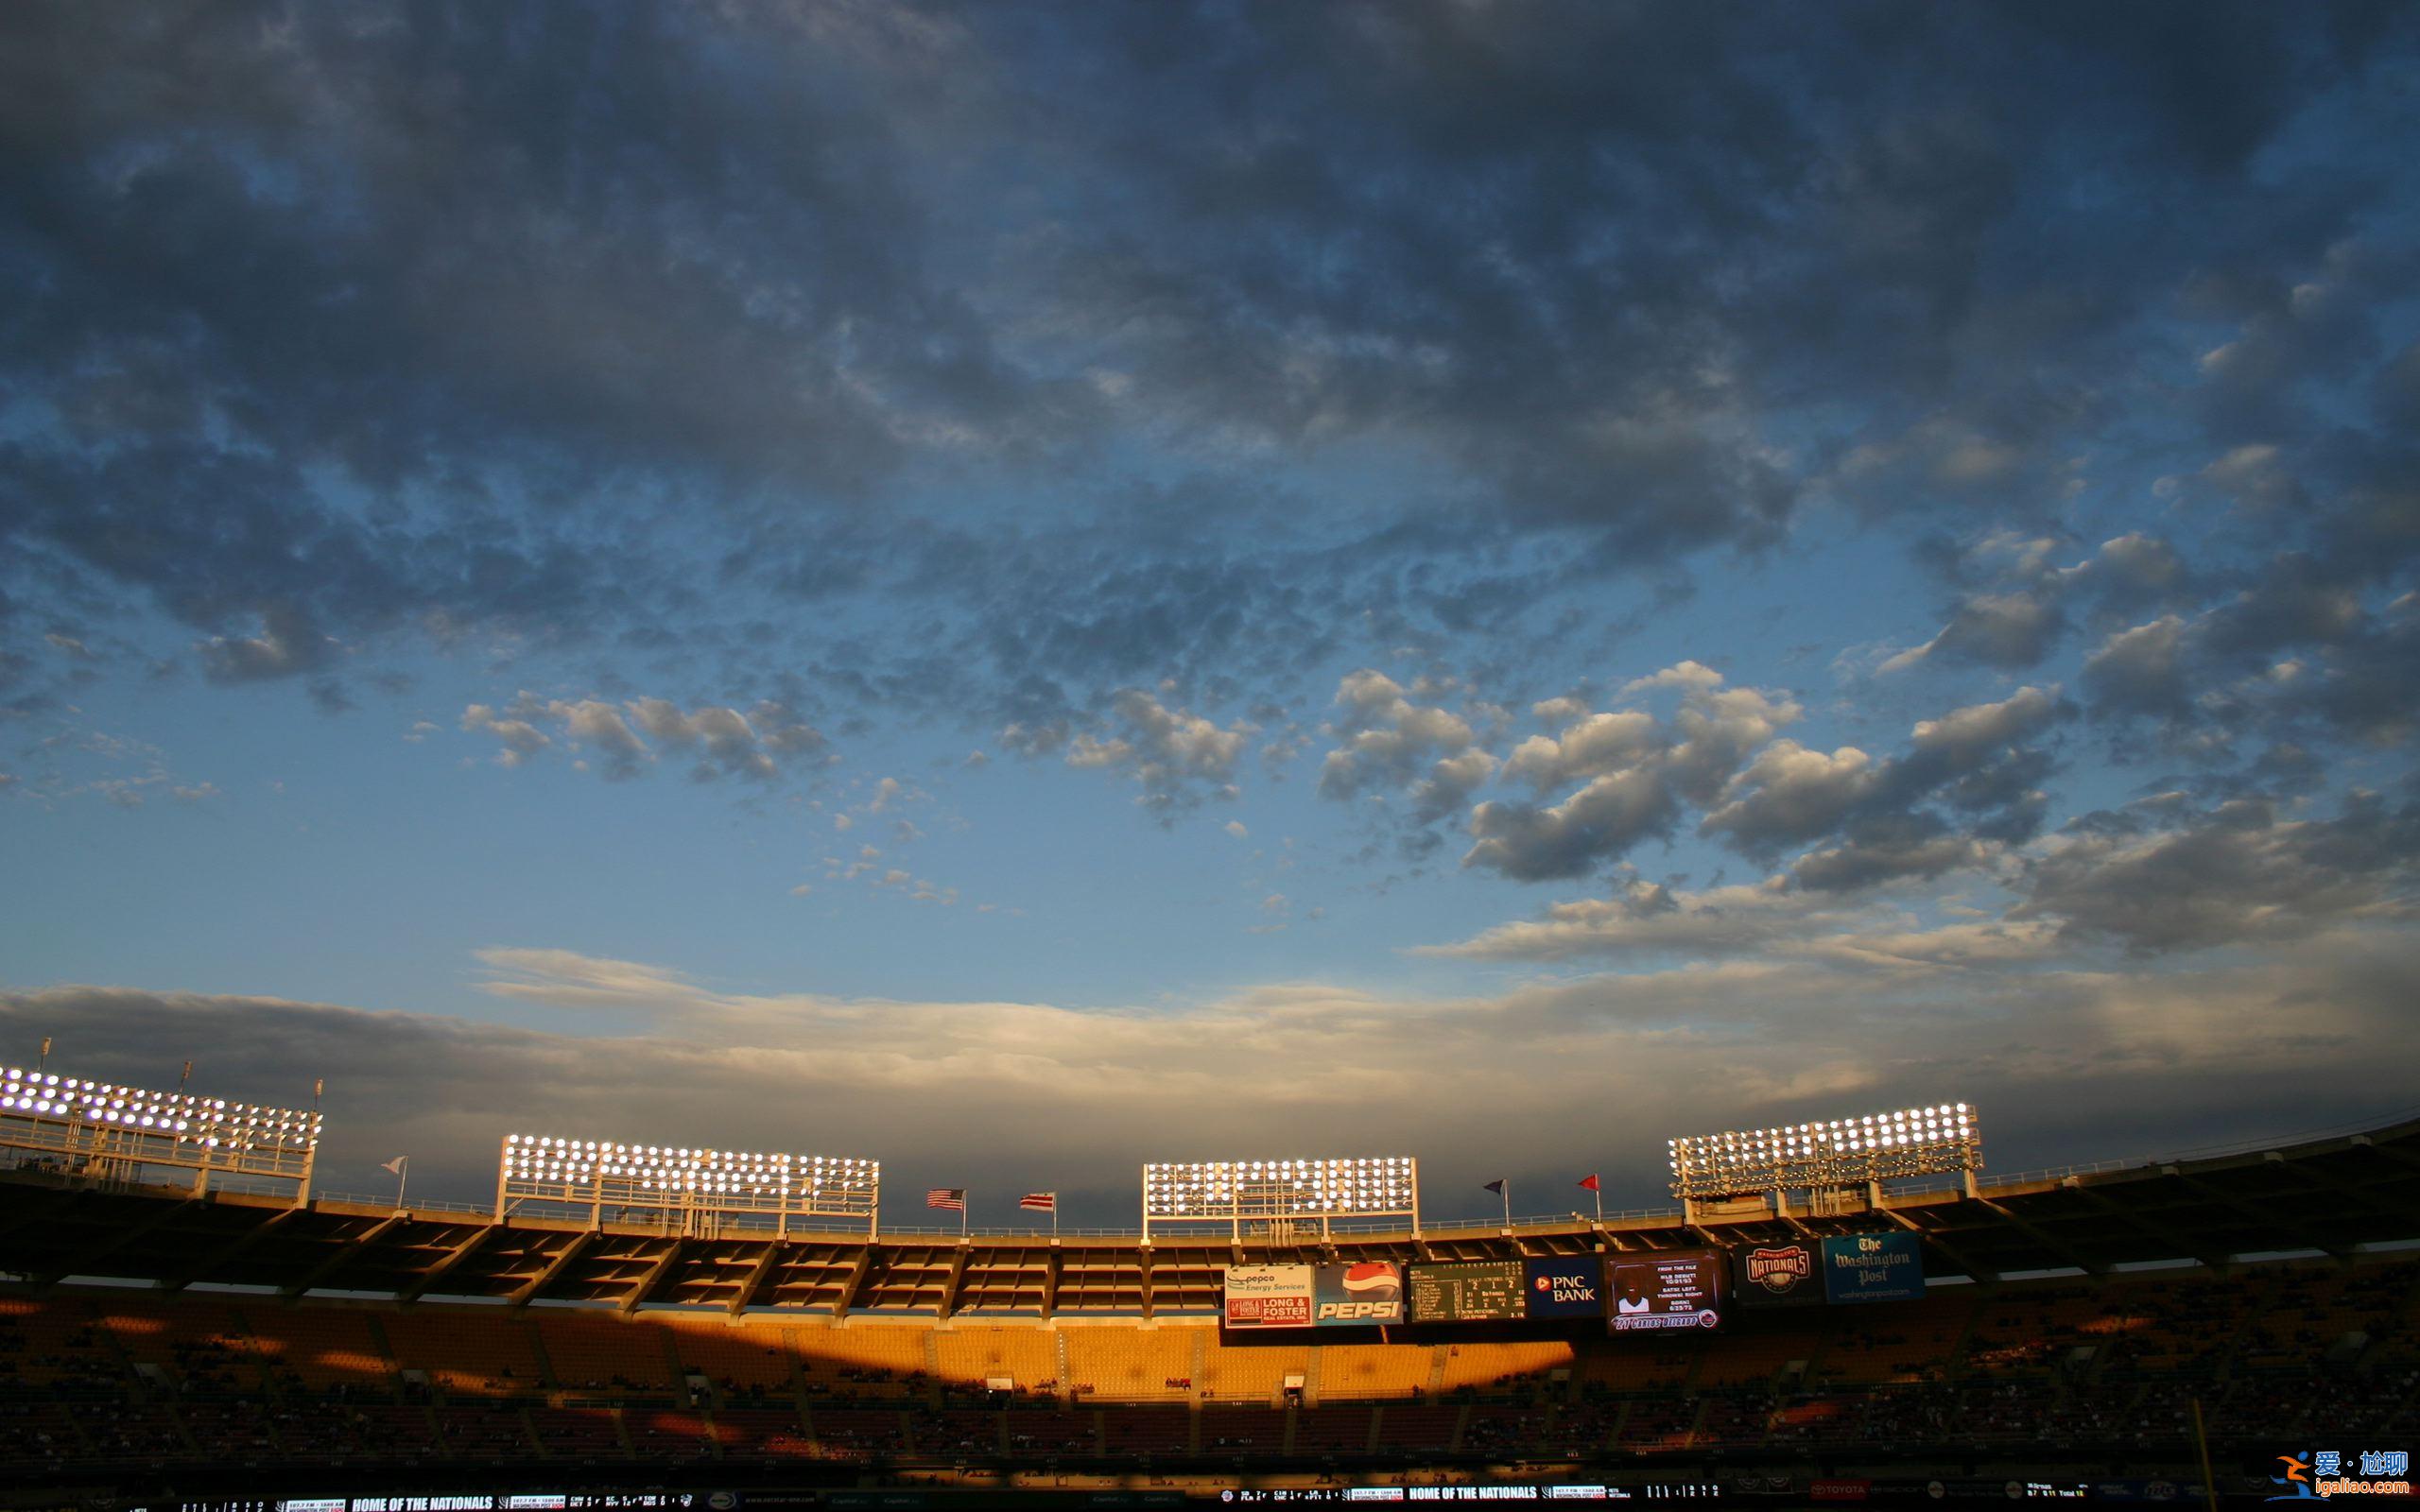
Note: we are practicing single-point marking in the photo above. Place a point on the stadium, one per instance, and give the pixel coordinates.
(186, 1322)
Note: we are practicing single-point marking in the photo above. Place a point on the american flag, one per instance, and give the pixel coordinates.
(1040, 1201)
(954, 1198)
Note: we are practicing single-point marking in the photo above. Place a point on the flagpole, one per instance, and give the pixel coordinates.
(1508, 1204)
(1599, 1195)
(402, 1175)
(962, 1213)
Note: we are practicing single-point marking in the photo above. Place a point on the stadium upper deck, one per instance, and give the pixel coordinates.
(2326, 1196)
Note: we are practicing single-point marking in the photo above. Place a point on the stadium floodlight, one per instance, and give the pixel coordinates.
(701, 1185)
(100, 1127)
(1235, 1192)
(1838, 1152)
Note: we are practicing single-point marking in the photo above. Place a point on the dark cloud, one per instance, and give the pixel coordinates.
(375, 321)
(2239, 873)
(1977, 761)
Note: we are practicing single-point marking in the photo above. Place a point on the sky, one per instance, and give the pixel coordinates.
(1019, 589)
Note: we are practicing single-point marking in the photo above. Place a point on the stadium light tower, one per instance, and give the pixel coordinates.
(701, 1186)
(1827, 1154)
(82, 1127)
(1281, 1191)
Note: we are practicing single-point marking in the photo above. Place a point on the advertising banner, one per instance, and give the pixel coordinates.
(1358, 1296)
(1268, 1296)
(1476, 1291)
(1783, 1275)
(1665, 1289)
(1571, 1287)
(1872, 1268)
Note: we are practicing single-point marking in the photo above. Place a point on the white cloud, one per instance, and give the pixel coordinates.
(724, 741)
(1386, 736)
(1088, 1091)
(1175, 756)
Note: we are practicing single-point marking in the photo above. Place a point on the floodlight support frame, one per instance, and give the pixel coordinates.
(699, 1214)
(105, 1152)
(1236, 1212)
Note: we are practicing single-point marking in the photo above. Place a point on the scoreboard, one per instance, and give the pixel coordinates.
(1666, 1289)
(1470, 1292)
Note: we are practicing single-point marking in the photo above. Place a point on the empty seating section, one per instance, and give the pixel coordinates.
(2304, 1315)
(958, 1433)
(973, 1355)
(663, 1432)
(328, 1432)
(601, 1352)
(1242, 1431)
(1736, 1420)
(480, 1429)
(755, 1354)
(141, 1433)
(1481, 1366)
(39, 1436)
(1404, 1426)
(95, 1380)
(1037, 1434)
(1758, 1359)
(2182, 1323)
(320, 1349)
(1659, 1424)
(235, 1428)
(577, 1433)
(1905, 1342)
(1129, 1363)
(765, 1432)
(1254, 1371)
(466, 1351)
(200, 1346)
(871, 1360)
(849, 1432)
(1638, 1367)
(1332, 1430)
(1503, 1431)
(2033, 1332)
(55, 1346)
(1372, 1372)
(1147, 1430)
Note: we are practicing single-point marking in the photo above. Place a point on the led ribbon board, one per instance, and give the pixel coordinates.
(647, 1181)
(80, 1120)
(1838, 1152)
(1240, 1192)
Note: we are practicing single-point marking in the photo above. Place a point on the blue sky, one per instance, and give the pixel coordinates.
(1023, 588)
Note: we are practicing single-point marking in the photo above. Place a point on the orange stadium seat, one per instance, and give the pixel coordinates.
(763, 1355)
(1372, 1372)
(467, 1350)
(1131, 1365)
(604, 1351)
(969, 1356)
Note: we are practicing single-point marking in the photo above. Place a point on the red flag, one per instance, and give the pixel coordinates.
(1589, 1184)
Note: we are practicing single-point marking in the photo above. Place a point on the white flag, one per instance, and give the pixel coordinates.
(396, 1164)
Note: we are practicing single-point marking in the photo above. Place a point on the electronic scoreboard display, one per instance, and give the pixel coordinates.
(1473, 1292)
(1665, 1289)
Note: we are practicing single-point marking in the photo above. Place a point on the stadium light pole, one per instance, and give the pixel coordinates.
(105, 1129)
(705, 1191)
(1828, 1158)
(1288, 1195)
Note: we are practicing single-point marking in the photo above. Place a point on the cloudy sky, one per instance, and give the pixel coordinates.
(1020, 589)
